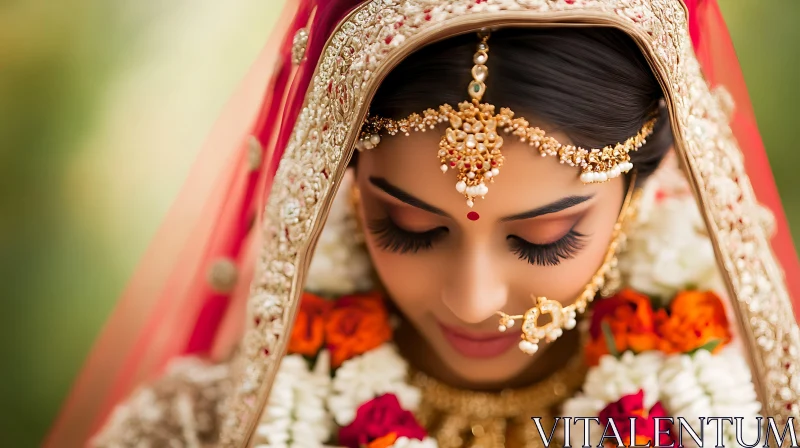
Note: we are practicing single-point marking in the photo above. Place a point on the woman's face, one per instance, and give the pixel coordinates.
(540, 232)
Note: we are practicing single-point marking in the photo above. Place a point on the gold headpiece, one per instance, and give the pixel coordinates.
(471, 144)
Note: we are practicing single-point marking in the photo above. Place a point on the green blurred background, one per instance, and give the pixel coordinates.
(103, 105)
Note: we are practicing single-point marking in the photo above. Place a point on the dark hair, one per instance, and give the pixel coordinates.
(593, 84)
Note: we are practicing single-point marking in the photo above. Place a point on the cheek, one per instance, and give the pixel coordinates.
(407, 278)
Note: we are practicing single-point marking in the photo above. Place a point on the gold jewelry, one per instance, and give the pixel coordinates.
(564, 317)
(465, 418)
(355, 203)
(471, 144)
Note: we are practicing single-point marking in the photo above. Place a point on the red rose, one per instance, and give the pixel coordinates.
(377, 418)
(629, 406)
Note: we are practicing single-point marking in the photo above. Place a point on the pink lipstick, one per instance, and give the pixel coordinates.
(479, 345)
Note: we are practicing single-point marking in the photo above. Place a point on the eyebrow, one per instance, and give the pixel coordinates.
(553, 207)
(400, 195)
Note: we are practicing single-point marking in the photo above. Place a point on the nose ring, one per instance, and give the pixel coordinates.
(562, 318)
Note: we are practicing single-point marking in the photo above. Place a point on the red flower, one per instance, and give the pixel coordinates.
(695, 319)
(630, 318)
(308, 333)
(356, 325)
(644, 421)
(378, 418)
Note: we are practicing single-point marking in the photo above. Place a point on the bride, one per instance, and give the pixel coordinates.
(456, 223)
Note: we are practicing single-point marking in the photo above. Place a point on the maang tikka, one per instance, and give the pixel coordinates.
(472, 142)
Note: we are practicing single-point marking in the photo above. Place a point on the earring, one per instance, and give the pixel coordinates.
(355, 204)
(606, 280)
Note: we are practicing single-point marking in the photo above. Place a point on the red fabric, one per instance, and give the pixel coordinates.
(327, 15)
(716, 54)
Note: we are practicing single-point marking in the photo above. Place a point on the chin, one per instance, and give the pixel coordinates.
(489, 373)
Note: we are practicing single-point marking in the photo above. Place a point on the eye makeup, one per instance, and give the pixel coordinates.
(393, 231)
(549, 254)
(393, 238)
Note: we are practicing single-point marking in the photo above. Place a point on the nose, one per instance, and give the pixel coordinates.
(475, 289)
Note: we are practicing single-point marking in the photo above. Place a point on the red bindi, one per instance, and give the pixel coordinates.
(473, 216)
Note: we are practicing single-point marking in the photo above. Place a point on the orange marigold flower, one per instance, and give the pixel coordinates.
(695, 319)
(384, 442)
(308, 333)
(630, 317)
(355, 325)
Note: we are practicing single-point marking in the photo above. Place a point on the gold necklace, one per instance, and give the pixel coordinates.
(465, 418)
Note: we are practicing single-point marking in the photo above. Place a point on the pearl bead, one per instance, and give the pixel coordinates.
(495, 171)
(602, 177)
(461, 187)
(471, 175)
(470, 203)
(375, 139)
(488, 174)
(502, 328)
(570, 324)
(510, 323)
(528, 347)
(443, 168)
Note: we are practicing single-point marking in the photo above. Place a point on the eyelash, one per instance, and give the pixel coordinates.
(549, 254)
(394, 238)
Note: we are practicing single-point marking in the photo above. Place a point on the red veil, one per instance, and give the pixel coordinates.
(169, 308)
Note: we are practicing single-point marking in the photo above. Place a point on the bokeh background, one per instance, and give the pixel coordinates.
(103, 105)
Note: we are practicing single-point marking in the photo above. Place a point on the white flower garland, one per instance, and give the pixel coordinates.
(368, 376)
(614, 378)
(341, 264)
(303, 404)
(669, 249)
(700, 385)
(295, 415)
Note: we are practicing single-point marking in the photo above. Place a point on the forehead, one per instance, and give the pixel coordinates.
(526, 179)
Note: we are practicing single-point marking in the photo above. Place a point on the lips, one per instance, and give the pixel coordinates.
(479, 345)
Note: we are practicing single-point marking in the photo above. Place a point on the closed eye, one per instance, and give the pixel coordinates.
(393, 238)
(550, 254)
